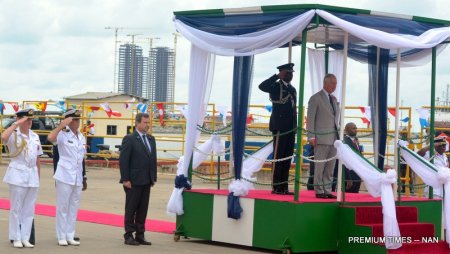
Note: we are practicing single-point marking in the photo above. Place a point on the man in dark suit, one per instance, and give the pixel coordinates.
(283, 119)
(137, 174)
(353, 180)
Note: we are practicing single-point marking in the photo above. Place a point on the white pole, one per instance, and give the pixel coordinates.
(397, 118)
(290, 52)
(341, 131)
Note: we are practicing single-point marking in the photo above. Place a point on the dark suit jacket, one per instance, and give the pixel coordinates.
(137, 163)
(284, 116)
(351, 175)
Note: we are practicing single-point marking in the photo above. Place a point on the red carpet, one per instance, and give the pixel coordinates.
(100, 218)
(304, 196)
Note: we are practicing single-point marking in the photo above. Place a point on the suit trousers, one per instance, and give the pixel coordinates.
(67, 204)
(323, 172)
(21, 213)
(283, 146)
(136, 206)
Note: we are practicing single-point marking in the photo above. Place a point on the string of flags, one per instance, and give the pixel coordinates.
(368, 114)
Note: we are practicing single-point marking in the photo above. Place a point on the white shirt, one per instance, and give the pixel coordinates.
(22, 170)
(440, 160)
(72, 149)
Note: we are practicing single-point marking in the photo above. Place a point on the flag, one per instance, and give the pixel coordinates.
(142, 107)
(109, 111)
(392, 111)
(160, 107)
(424, 114)
(183, 109)
(42, 106)
(60, 104)
(14, 105)
(223, 110)
(249, 119)
(405, 120)
(93, 108)
(2, 106)
(268, 108)
(367, 114)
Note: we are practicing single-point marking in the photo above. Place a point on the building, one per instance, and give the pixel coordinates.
(161, 77)
(133, 70)
(108, 130)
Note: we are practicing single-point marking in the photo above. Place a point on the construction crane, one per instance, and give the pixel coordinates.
(116, 33)
(175, 39)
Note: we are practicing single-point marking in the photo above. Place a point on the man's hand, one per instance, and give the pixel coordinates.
(127, 184)
(22, 120)
(84, 184)
(65, 122)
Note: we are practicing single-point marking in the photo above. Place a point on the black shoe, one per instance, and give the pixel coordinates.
(330, 196)
(321, 195)
(287, 192)
(143, 241)
(278, 192)
(131, 241)
(76, 238)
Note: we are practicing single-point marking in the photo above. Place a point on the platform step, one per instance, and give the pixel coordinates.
(374, 214)
(417, 231)
(419, 248)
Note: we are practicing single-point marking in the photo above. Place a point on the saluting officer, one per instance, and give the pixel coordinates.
(22, 176)
(69, 175)
(283, 119)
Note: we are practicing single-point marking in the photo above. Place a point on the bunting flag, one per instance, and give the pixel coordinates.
(93, 108)
(268, 108)
(223, 110)
(249, 119)
(392, 111)
(41, 106)
(60, 105)
(14, 105)
(142, 107)
(424, 114)
(109, 111)
(2, 106)
(160, 107)
(367, 114)
(405, 120)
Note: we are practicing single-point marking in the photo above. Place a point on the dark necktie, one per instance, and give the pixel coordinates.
(355, 141)
(146, 143)
(331, 102)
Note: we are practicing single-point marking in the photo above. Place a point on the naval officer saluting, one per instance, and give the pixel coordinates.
(22, 176)
(69, 175)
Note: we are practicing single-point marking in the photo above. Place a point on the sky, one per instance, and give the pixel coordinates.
(51, 49)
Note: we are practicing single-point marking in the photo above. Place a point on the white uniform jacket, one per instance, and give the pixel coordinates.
(22, 170)
(71, 154)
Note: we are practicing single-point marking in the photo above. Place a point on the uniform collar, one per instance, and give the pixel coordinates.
(284, 82)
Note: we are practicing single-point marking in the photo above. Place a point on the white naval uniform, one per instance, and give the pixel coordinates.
(440, 160)
(69, 182)
(23, 179)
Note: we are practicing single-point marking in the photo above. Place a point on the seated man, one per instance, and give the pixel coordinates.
(440, 158)
(353, 181)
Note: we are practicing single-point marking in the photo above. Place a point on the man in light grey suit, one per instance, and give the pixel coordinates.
(323, 124)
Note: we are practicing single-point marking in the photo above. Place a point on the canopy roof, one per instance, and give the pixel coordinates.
(238, 21)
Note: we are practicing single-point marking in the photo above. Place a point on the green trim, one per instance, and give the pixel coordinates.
(431, 20)
(418, 157)
(364, 158)
(305, 227)
(433, 108)
(209, 12)
(198, 216)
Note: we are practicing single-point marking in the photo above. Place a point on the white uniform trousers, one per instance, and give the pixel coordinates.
(67, 203)
(21, 213)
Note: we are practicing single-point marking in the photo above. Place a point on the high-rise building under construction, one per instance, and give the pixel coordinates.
(161, 75)
(133, 70)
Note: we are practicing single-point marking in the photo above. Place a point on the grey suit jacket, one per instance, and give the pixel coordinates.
(320, 118)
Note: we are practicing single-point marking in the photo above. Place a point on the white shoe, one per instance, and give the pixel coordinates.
(73, 242)
(17, 244)
(62, 243)
(27, 244)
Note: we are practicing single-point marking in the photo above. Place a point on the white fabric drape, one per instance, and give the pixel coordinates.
(246, 44)
(431, 175)
(378, 184)
(386, 40)
(316, 59)
(200, 80)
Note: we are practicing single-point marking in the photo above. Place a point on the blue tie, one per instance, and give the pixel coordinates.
(144, 137)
